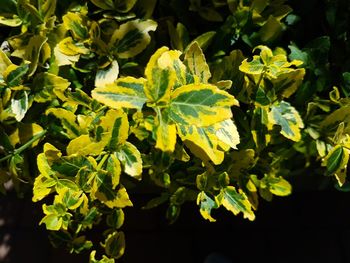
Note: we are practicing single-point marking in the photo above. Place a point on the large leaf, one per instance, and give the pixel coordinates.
(200, 105)
(132, 37)
(286, 116)
(236, 202)
(126, 92)
(84, 145)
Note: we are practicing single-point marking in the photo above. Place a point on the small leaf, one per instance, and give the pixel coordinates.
(115, 245)
(130, 157)
(236, 202)
(206, 205)
(227, 132)
(84, 145)
(165, 132)
(336, 162)
(286, 116)
(42, 187)
(20, 106)
(68, 121)
(195, 60)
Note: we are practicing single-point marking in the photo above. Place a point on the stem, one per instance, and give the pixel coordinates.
(24, 146)
(261, 77)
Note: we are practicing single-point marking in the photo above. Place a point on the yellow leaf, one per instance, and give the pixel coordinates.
(84, 145)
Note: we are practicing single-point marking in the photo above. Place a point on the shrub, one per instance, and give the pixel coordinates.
(202, 101)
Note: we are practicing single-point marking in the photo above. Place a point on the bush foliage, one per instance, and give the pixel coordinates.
(218, 102)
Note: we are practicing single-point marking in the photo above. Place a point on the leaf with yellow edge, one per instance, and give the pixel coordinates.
(171, 60)
(236, 202)
(63, 59)
(286, 116)
(126, 92)
(200, 105)
(114, 169)
(67, 119)
(276, 185)
(115, 127)
(70, 48)
(336, 162)
(195, 61)
(115, 245)
(202, 142)
(84, 145)
(130, 158)
(206, 205)
(33, 50)
(132, 37)
(107, 76)
(48, 85)
(76, 24)
(165, 132)
(160, 80)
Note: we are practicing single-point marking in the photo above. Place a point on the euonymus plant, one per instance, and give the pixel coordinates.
(101, 98)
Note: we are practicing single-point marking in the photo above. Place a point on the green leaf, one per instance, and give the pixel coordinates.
(206, 205)
(107, 76)
(254, 67)
(104, 4)
(200, 105)
(52, 222)
(126, 92)
(286, 116)
(132, 37)
(70, 165)
(195, 61)
(10, 20)
(130, 158)
(115, 245)
(115, 219)
(271, 29)
(336, 162)
(203, 40)
(277, 185)
(236, 202)
(15, 77)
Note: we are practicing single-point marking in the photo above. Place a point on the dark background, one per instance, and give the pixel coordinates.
(308, 226)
